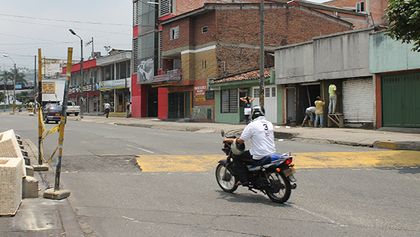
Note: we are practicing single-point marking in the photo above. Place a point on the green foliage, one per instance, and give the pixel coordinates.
(404, 21)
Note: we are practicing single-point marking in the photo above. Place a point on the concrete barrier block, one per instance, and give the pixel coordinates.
(12, 171)
(30, 187)
(29, 171)
(10, 185)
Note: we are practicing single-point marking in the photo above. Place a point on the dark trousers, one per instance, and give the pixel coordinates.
(240, 166)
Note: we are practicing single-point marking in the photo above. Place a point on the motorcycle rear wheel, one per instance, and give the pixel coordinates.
(276, 180)
(222, 173)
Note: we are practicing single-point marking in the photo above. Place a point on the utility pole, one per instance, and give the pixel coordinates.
(262, 78)
(83, 80)
(4, 92)
(81, 71)
(34, 82)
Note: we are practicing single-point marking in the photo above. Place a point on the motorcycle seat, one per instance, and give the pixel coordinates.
(268, 161)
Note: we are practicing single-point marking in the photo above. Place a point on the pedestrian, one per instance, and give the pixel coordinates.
(247, 108)
(107, 108)
(309, 116)
(332, 98)
(128, 109)
(319, 112)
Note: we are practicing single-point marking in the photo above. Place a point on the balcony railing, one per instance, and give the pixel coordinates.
(170, 76)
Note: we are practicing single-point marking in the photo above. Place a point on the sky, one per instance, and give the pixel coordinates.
(27, 25)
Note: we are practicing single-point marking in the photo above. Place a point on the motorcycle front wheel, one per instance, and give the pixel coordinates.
(279, 189)
(225, 179)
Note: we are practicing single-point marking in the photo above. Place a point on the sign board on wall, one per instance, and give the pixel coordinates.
(48, 87)
(200, 93)
(115, 84)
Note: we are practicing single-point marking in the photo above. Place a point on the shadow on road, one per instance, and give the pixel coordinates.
(249, 198)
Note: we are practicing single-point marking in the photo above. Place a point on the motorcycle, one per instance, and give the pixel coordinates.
(273, 176)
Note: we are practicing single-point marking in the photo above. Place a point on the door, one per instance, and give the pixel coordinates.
(270, 101)
(291, 105)
(401, 100)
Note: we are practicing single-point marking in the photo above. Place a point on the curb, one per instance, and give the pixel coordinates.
(404, 145)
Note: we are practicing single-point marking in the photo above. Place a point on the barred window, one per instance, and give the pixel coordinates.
(256, 92)
(267, 92)
(229, 101)
(174, 33)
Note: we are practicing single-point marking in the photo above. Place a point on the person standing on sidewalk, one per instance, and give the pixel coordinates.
(107, 108)
(247, 108)
(128, 109)
(333, 98)
(319, 112)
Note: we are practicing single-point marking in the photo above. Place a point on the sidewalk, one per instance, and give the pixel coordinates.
(39, 216)
(407, 140)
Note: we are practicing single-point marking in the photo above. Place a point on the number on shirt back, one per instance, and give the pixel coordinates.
(265, 126)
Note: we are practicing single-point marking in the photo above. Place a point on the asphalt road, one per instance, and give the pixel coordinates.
(111, 197)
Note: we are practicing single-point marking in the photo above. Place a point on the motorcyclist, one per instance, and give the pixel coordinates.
(259, 134)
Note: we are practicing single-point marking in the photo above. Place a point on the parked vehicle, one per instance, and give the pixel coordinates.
(52, 112)
(72, 108)
(272, 176)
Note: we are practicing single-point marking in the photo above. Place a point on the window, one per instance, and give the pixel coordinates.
(273, 92)
(360, 7)
(229, 101)
(204, 29)
(256, 93)
(267, 92)
(174, 33)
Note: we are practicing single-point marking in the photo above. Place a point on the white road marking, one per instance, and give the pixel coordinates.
(318, 215)
(145, 150)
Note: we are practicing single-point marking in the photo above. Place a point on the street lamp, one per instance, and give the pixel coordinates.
(14, 80)
(81, 71)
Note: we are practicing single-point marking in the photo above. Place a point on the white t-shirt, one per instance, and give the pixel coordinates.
(107, 106)
(260, 135)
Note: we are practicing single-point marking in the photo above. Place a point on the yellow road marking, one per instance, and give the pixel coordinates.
(204, 163)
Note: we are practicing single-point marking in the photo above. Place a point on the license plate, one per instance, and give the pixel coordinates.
(289, 171)
(57, 114)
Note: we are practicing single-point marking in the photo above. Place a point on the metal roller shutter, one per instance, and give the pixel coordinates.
(358, 100)
(401, 100)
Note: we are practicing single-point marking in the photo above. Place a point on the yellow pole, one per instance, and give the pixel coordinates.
(63, 119)
(40, 119)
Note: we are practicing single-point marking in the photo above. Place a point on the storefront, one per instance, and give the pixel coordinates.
(115, 92)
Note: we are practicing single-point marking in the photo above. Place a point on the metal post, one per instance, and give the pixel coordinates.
(34, 82)
(93, 49)
(262, 54)
(63, 121)
(81, 71)
(40, 125)
(14, 87)
(4, 91)
(81, 74)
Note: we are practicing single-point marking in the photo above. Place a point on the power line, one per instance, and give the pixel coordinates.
(61, 20)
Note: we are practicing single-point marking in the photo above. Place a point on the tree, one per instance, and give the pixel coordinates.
(404, 21)
(5, 77)
(20, 77)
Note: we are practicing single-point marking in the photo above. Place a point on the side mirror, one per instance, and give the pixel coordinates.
(222, 132)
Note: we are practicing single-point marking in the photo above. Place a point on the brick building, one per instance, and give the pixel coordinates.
(179, 45)
(376, 8)
(208, 43)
